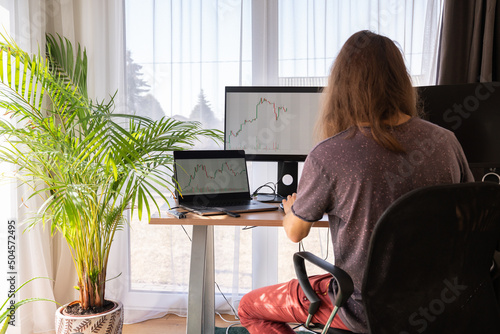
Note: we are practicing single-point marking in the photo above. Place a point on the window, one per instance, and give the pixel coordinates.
(181, 55)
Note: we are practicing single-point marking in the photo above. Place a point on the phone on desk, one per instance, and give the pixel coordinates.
(177, 214)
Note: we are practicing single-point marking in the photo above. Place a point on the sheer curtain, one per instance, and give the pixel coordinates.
(97, 25)
(25, 22)
(181, 54)
(312, 32)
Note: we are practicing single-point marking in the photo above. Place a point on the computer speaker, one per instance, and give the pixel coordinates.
(287, 177)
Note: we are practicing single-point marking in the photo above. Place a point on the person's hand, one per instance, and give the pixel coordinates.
(288, 202)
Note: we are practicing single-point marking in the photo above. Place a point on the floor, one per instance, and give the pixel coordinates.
(169, 324)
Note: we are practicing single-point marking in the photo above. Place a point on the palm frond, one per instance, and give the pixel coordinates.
(72, 68)
(85, 162)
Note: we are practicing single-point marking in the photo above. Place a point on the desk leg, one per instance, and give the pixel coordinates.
(201, 298)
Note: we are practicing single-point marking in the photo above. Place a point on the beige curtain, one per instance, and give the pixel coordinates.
(98, 26)
(38, 254)
(470, 42)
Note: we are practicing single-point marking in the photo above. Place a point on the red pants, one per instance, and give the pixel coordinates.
(269, 309)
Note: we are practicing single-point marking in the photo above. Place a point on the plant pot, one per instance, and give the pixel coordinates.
(109, 322)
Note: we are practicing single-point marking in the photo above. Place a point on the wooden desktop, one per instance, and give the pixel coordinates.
(263, 218)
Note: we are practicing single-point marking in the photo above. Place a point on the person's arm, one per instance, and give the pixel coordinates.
(296, 229)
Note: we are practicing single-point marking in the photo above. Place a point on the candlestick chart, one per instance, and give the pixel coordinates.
(212, 176)
(271, 122)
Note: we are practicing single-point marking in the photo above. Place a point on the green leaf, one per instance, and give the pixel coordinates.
(5, 315)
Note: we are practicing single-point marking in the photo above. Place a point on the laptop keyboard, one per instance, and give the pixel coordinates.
(229, 203)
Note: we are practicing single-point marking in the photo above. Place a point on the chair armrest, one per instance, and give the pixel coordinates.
(344, 281)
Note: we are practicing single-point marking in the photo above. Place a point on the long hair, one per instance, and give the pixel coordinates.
(368, 84)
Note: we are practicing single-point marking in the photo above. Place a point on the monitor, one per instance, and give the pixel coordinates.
(472, 112)
(272, 124)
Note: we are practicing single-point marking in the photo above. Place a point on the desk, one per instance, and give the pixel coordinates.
(201, 296)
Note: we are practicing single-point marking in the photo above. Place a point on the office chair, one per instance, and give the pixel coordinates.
(429, 265)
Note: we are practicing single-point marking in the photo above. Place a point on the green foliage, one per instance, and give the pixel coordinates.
(87, 163)
(7, 309)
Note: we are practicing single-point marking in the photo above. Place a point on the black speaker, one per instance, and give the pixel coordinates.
(287, 177)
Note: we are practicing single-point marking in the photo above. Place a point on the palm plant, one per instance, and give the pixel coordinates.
(87, 163)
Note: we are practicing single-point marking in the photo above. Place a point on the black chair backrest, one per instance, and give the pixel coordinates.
(429, 263)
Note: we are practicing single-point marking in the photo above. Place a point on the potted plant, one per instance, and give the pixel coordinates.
(87, 163)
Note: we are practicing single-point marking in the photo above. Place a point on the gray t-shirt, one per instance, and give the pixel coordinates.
(354, 179)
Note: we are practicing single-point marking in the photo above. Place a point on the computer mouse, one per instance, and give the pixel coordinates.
(281, 207)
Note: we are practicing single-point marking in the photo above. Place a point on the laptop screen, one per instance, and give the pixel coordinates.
(211, 172)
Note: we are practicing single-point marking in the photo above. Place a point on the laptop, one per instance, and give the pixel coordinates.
(214, 182)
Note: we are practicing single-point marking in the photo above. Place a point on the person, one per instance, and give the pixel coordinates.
(374, 148)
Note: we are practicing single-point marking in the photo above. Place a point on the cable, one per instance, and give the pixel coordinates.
(186, 233)
(270, 185)
(302, 248)
(227, 301)
(229, 321)
(232, 323)
(227, 329)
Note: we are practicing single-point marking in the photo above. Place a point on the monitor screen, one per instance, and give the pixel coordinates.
(472, 112)
(271, 123)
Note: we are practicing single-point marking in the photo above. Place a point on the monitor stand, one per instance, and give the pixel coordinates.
(287, 177)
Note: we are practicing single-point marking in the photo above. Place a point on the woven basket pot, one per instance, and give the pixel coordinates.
(109, 322)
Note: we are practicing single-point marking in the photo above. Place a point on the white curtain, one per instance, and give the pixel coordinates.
(98, 26)
(178, 56)
(316, 30)
(25, 22)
